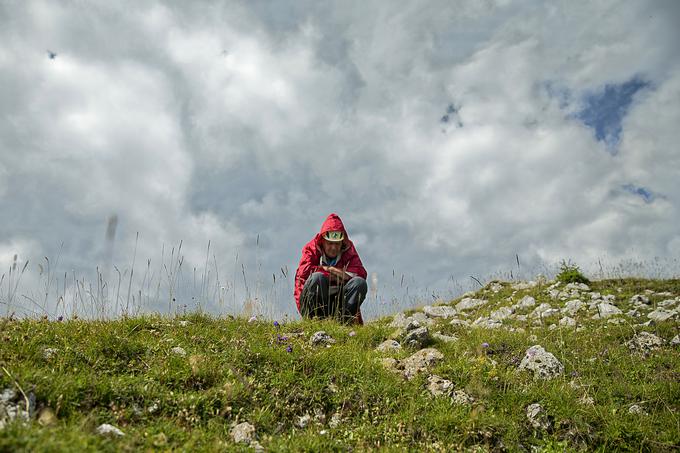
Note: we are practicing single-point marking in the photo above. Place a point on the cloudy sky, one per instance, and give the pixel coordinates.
(451, 137)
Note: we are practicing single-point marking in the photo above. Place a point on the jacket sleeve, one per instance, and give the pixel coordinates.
(308, 265)
(354, 265)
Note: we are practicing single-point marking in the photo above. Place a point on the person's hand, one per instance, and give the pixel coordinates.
(339, 274)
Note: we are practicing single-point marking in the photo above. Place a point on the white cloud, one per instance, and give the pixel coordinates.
(225, 121)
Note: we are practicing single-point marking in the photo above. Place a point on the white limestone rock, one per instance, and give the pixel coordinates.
(541, 363)
(469, 303)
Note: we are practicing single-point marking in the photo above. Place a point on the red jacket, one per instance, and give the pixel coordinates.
(312, 253)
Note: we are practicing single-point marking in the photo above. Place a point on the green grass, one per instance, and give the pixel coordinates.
(123, 372)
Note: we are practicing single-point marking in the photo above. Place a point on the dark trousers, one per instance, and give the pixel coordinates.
(315, 300)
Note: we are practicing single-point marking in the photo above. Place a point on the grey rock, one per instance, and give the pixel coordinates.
(537, 417)
(321, 338)
(541, 363)
(675, 341)
(335, 421)
(525, 302)
(420, 361)
(388, 346)
(566, 321)
(439, 311)
(243, 433)
(501, 314)
(644, 342)
(639, 299)
(577, 286)
(412, 324)
(439, 386)
(460, 322)
(460, 398)
(667, 303)
(487, 323)
(636, 409)
(494, 286)
(417, 338)
(303, 421)
(543, 311)
(660, 315)
(468, 304)
(572, 307)
(109, 430)
(520, 286)
(444, 338)
(178, 351)
(605, 310)
(48, 353)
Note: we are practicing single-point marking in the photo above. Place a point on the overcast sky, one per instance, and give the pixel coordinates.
(450, 137)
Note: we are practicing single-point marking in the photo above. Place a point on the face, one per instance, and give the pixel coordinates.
(331, 249)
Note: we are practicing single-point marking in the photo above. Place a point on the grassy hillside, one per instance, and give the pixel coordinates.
(185, 383)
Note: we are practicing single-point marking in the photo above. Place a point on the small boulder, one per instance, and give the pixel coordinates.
(109, 430)
(243, 433)
(572, 307)
(48, 353)
(460, 398)
(444, 338)
(439, 386)
(417, 338)
(439, 311)
(637, 410)
(502, 313)
(605, 310)
(660, 315)
(675, 341)
(644, 343)
(469, 303)
(459, 323)
(537, 417)
(420, 361)
(639, 299)
(177, 350)
(526, 302)
(567, 322)
(321, 338)
(388, 346)
(303, 421)
(541, 363)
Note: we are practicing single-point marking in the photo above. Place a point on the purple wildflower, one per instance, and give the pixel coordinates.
(276, 324)
(60, 318)
(485, 345)
(289, 348)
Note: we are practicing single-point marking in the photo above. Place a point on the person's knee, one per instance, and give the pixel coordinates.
(359, 284)
(316, 279)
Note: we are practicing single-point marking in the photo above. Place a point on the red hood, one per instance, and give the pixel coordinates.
(332, 223)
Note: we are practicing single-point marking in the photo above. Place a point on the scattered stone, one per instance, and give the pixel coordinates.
(335, 421)
(537, 417)
(439, 311)
(567, 322)
(391, 364)
(400, 320)
(572, 307)
(412, 324)
(667, 303)
(439, 386)
(444, 338)
(644, 343)
(243, 432)
(494, 286)
(639, 299)
(420, 361)
(526, 302)
(605, 310)
(417, 338)
(520, 286)
(178, 351)
(660, 315)
(109, 430)
(469, 303)
(544, 310)
(388, 346)
(48, 353)
(636, 409)
(460, 322)
(255, 445)
(486, 323)
(460, 398)
(675, 341)
(184, 323)
(154, 407)
(47, 417)
(587, 400)
(541, 363)
(321, 338)
(577, 287)
(501, 314)
(303, 421)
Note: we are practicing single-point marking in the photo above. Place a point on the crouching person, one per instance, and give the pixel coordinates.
(330, 281)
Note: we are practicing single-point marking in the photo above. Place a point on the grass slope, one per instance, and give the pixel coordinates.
(125, 373)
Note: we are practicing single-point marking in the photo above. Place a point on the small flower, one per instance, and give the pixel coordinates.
(352, 333)
(289, 348)
(60, 318)
(252, 319)
(276, 324)
(485, 345)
